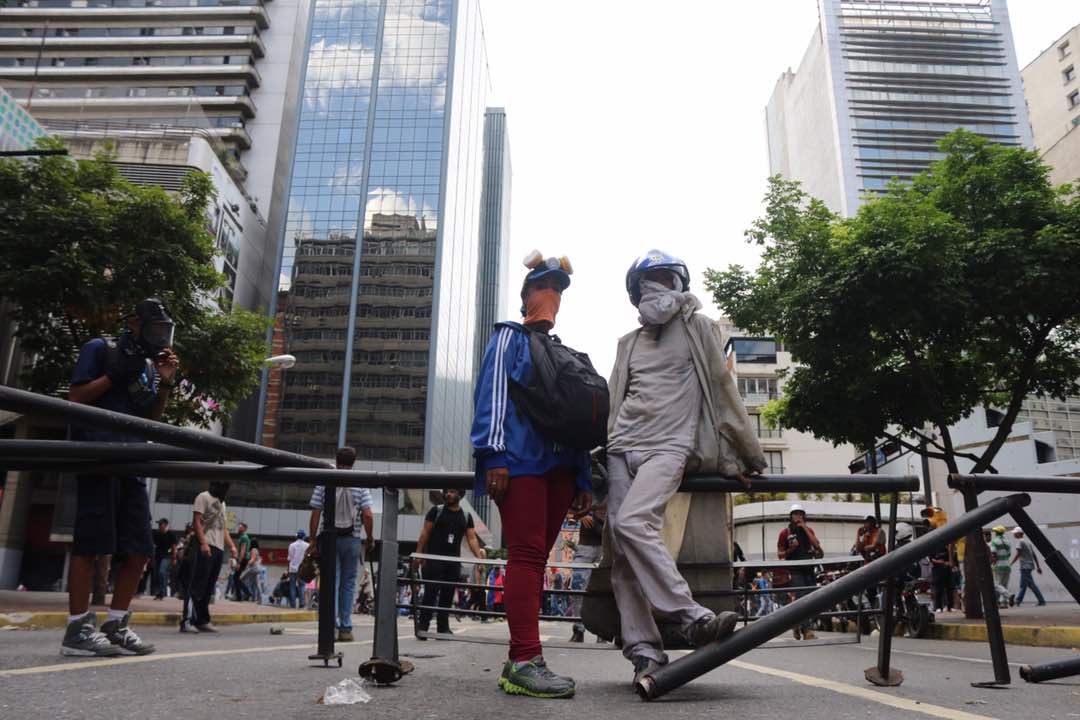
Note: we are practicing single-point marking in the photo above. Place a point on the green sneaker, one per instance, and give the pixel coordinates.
(535, 680)
(505, 672)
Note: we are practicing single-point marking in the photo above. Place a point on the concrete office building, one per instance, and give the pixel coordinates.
(1052, 88)
(758, 364)
(219, 65)
(881, 82)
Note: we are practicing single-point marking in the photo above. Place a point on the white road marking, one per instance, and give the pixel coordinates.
(133, 659)
(862, 693)
(943, 657)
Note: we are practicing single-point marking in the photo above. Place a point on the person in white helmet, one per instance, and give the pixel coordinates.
(1028, 561)
(674, 407)
(798, 542)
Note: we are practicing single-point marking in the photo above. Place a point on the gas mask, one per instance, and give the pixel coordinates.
(155, 328)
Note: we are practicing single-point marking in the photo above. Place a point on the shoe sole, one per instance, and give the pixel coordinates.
(513, 689)
(78, 652)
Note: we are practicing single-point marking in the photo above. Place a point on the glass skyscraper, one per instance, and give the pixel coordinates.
(380, 245)
(881, 82)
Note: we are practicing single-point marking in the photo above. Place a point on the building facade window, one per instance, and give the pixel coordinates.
(775, 458)
(757, 390)
(764, 432)
(1073, 99)
(1064, 50)
(1069, 73)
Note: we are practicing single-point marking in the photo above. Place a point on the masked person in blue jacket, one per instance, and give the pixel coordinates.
(533, 480)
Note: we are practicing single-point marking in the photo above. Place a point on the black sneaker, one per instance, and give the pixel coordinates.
(577, 637)
(643, 666)
(82, 639)
(534, 679)
(711, 629)
(120, 635)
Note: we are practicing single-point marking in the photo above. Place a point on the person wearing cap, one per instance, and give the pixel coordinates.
(798, 541)
(1000, 552)
(1028, 561)
(533, 480)
(164, 550)
(674, 408)
(297, 550)
(133, 374)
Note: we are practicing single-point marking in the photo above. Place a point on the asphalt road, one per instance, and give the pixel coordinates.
(247, 673)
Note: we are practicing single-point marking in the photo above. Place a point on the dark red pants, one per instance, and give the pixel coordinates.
(532, 514)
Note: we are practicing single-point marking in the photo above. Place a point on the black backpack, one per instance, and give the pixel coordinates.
(566, 400)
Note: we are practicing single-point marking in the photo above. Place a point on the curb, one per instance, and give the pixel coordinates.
(58, 620)
(1035, 635)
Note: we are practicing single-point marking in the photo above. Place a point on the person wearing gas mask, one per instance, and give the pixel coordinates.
(132, 374)
(533, 479)
(674, 407)
(212, 537)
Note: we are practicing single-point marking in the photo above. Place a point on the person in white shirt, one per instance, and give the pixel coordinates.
(352, 512)
(212, 535)
(297, 550)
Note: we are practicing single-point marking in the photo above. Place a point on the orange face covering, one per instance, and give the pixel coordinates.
(542, 305)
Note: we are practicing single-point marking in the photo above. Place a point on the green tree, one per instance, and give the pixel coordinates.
(952, 292)
(955, 291)
(79, 246)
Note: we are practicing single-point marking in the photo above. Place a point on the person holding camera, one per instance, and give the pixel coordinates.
(133, 374)
(798, 542)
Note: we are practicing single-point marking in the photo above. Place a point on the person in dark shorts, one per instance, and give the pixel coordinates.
(444, 528)
(133, 374)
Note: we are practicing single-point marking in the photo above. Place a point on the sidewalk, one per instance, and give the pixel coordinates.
(1056, 624)
(34, 610)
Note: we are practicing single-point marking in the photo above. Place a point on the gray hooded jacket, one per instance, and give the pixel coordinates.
(726, 440)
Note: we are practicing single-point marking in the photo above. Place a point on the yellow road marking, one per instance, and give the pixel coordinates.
(133, 659)
(862, 693)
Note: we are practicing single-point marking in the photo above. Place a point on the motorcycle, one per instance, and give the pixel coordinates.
(914, 608)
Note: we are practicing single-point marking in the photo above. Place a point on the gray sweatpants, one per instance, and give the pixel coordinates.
(643, 573)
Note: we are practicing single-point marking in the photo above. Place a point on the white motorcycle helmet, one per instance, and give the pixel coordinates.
(904, 532)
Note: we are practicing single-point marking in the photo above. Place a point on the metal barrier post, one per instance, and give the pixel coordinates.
(881, 674)
(985, 580)
(384, 667)
(697, 663)
(1050, 671)
(1057, 562)
(327, 544)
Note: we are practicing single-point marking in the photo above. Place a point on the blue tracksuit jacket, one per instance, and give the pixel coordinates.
(501, 435)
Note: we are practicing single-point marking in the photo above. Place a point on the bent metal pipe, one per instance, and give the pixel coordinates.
(687, 668)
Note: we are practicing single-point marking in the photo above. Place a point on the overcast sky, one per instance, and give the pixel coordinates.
(636, 125)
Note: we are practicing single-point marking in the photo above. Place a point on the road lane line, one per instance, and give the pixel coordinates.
(943, 657)
(862, 693)
(133, 659)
